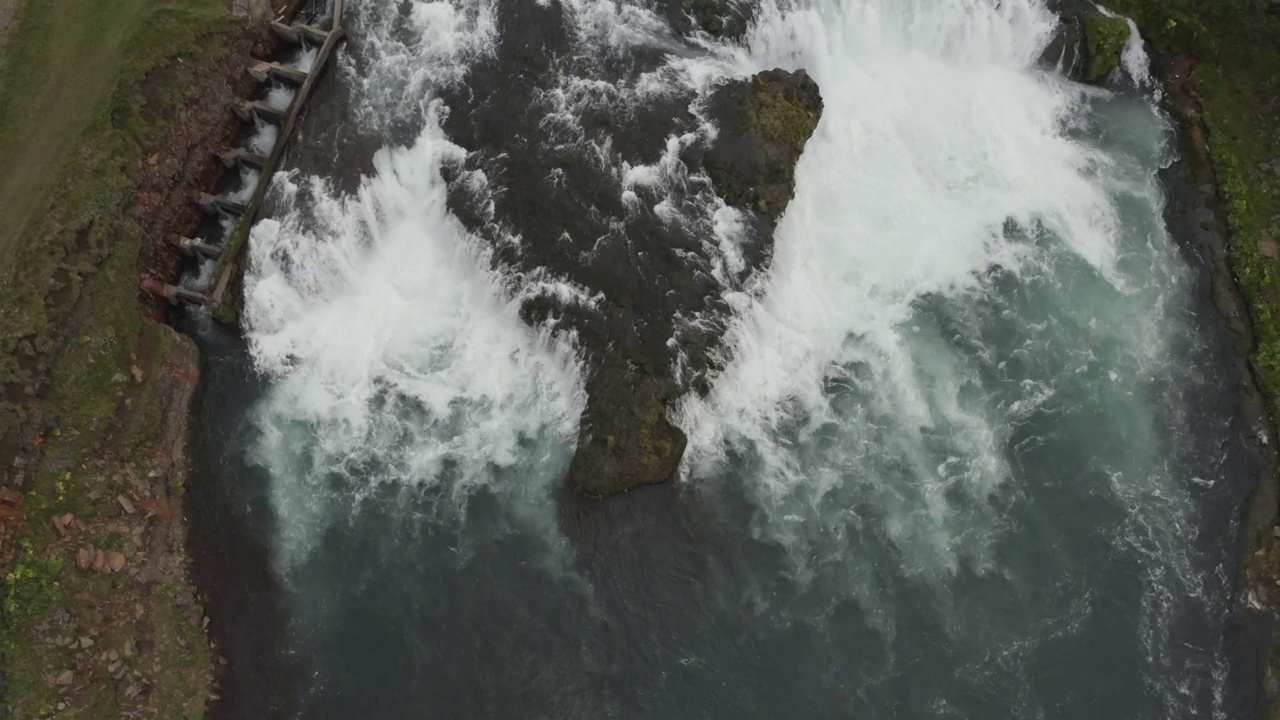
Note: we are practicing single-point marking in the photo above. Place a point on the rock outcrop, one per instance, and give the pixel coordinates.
(646, 302)
(1105, 38)
(1087, 45)
(626, 440)
(764, 125)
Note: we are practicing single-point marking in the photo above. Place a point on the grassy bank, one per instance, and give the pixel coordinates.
(96, 619)
(79, 120)
(61, 65)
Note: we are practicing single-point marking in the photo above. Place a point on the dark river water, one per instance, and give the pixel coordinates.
(977, 450)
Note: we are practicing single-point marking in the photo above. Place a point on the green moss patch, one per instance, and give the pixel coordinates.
(775, 116)
(1106, 37)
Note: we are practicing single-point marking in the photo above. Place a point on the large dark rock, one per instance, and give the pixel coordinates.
(650, 312)
(626, 440)
(764, 125)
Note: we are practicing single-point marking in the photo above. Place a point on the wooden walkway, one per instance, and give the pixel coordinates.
(228, 259)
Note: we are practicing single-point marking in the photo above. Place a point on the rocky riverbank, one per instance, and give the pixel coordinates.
(99, 618)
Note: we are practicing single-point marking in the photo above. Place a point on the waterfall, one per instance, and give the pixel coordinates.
(951, 465)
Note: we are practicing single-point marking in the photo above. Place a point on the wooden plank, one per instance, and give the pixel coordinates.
(236, 243)
(240, 156)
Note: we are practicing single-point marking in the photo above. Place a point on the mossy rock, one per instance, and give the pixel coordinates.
(779, 115)
(625, 438)
(625, 441)
(1106, 38)
(1175, 26)
(764, 124)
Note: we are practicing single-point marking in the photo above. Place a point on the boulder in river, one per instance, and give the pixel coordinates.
(1087, 45)
(647, 306)
(764, 125)
(626, 440)
(1106, 38)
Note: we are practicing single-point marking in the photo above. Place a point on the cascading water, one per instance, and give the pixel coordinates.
(260, 141)
(964, 457)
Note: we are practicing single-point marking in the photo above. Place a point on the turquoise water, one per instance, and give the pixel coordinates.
(975, 453)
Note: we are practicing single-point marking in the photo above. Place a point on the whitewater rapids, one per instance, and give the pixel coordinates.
(965, 457)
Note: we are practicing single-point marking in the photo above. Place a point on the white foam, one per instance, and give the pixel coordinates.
(263, 138)
(391, 347)
(402, 60)
(616, 27)
(935, 135)
(945, 161)
(1133, 58)
(303, 59)
(279, 96)
(245, 188)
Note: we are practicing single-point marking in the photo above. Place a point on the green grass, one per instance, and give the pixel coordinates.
(60, 66)
(68, 299)
(87, 89)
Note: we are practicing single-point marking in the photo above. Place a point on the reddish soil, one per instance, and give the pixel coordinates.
(186, 164)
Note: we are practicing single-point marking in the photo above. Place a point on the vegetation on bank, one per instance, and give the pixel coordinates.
(1106, 38)
(1236, 44)
(118, 106)
(95, 613)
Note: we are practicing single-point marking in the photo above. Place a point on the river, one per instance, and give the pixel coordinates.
(977, 450)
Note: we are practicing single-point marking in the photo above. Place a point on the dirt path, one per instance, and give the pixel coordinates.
(8, 8)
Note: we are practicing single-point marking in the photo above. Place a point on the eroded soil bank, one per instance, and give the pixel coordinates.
(99, 617)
